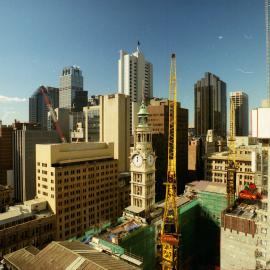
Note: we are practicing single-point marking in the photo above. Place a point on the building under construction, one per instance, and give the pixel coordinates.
(199, 216)
(245, 228)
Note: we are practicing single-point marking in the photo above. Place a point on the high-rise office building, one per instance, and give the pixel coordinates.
(240, 100)
(38, 111)
(80, 183)
(24, 156)
(158, 121)
(72, 95)
(210, 105)
(134, 74)
(5, 153)
(109, 122)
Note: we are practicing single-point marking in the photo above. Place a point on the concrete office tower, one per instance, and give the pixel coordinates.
(92, 123)
(5, 153)
(112, 121)
(158, 120)
(80, 183)
(240, 100)
(38, 110)
(142, 167)
(24, 155)
(210, 106)
(133, 70)
(71, 93)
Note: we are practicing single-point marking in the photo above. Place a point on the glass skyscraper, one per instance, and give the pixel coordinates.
(210, 105)
(38, 112)
(240, 100)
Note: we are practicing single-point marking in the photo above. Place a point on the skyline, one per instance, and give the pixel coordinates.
(42, 38)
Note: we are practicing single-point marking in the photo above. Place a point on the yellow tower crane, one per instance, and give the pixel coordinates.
(170, 228)
(231, 169)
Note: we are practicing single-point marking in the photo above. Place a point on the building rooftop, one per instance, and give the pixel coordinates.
(245, 211)
(36, 208)
(65, 255)
(206, 186)
(180, 200)
(65, 153)
(120, 231)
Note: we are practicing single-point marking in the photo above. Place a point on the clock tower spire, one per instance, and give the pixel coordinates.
(142, 166)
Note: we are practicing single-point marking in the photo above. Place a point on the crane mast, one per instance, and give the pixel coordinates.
(170, 228)
(231, 169)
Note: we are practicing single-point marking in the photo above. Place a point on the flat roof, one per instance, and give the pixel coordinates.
(14, 213)
(134, 209)
(243, 210)
(180, 200)
(22, 211)
(79, 160)
(208, 186)
(34, 201)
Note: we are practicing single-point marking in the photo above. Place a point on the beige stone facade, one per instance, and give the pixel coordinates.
(216, 167)
(31, 223)
(109, 121)
(80, 182)
(114, 126)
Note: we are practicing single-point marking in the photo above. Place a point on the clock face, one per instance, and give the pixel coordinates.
(150, 160)
(137, 160)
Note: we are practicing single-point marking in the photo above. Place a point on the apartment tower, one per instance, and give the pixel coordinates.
(134, 71)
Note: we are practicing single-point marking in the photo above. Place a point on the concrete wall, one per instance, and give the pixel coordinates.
(237, 251)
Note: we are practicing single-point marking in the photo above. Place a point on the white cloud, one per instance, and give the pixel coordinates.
(220, 37)
(7, 115)
(244, 71)
(5, 99)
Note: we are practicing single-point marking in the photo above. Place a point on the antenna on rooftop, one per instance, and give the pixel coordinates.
(138, 46)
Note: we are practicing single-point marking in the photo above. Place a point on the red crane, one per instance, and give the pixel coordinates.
(44, 91)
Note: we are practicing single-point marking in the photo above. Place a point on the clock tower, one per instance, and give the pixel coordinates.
(142, 167)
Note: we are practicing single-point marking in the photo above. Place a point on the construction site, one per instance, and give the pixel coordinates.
(171, 234)
(223, 224)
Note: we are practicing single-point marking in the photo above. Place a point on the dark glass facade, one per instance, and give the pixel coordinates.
(38, 111)
(210, 105)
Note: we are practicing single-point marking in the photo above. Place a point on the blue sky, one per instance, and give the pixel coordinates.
(39, 38)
